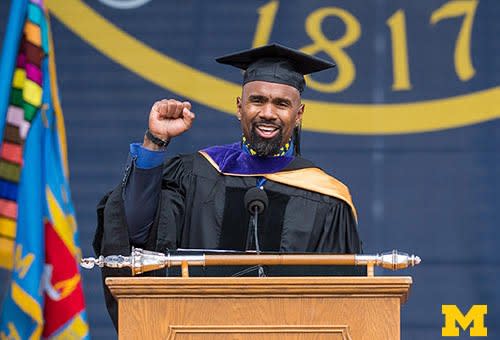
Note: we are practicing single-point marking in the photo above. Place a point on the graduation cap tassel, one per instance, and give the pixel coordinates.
(296, 138)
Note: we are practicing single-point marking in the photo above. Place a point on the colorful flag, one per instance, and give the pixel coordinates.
(38, 235)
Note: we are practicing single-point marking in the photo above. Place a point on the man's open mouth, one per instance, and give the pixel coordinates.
(267, 131)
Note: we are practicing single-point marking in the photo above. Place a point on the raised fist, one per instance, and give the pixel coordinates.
(168, 119)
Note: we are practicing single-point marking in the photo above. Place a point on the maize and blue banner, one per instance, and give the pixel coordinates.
(408, 120)
(43, 295)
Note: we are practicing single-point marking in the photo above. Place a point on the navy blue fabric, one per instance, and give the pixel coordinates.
(145, 158)
(141, 195)
(141, 192)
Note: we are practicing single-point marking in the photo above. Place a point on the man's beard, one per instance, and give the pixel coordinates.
(265, 147)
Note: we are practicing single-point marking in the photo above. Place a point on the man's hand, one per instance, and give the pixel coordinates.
(168, 119)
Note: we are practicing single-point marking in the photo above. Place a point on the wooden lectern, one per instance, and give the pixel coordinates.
(260, 308)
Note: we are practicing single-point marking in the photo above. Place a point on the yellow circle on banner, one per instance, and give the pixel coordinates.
(366, 119)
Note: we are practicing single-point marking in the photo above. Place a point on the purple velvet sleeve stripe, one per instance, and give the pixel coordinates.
(144, 158)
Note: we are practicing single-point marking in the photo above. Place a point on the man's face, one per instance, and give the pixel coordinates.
(269, 112)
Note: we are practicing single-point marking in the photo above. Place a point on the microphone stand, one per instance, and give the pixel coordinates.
(256, 236)
(255, 201)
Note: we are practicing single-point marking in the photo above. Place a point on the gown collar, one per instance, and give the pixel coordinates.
(235, 159)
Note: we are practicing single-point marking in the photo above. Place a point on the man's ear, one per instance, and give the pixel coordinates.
(238, 107)
(300, 112)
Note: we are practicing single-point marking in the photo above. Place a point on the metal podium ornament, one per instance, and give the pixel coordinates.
(139, 261)
(392, 260)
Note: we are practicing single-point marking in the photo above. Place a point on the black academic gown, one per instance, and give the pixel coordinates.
(202, 208)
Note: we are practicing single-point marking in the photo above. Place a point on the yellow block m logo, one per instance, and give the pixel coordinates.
(453, 315)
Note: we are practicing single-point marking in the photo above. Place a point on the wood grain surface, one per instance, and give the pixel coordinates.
(260, 308)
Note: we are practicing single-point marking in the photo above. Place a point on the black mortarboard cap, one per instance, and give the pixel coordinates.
(276, 64)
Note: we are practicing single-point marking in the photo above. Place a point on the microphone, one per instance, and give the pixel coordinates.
(256, 202)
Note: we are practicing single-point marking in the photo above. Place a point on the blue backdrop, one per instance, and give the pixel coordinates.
(423, 171)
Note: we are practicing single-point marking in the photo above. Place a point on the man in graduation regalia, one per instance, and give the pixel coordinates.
(196, 200)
